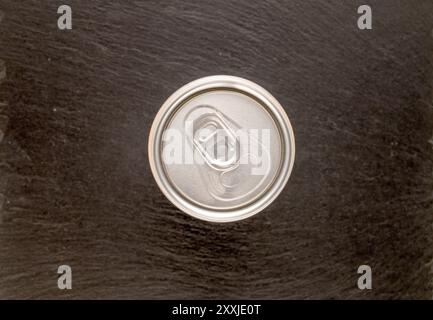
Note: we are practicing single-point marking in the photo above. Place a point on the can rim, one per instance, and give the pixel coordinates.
(175, 101)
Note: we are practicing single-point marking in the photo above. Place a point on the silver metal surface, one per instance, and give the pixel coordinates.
(221, 148)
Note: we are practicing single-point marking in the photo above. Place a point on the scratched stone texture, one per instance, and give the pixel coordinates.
(75, 185)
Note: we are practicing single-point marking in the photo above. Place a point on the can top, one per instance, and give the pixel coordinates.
(221, 148)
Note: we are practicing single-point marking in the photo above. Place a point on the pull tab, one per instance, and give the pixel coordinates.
(227, 169)
(216, 141)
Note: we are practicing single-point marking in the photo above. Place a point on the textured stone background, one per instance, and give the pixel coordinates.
(75, 113)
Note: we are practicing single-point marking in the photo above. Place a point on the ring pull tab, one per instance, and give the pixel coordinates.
(216, 142)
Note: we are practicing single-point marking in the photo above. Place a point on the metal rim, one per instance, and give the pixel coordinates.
(175, 101)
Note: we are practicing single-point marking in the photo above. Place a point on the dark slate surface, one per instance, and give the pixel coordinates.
(75, 184)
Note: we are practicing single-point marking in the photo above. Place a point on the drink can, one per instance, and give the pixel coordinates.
(221, 148)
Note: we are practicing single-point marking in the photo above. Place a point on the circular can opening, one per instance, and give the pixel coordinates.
(221, 148)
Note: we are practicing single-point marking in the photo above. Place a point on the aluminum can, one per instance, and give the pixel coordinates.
(221, 148)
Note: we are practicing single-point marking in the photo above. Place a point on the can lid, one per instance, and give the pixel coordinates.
(221, 148)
